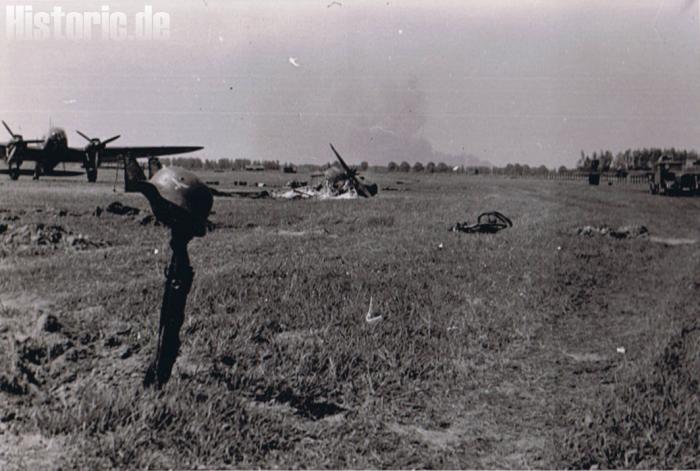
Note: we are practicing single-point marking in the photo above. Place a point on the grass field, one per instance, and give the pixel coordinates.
(494, 351)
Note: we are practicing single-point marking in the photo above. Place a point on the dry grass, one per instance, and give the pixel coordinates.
(494, 351)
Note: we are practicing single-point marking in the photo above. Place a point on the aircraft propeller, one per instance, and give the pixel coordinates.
(17, 144)
(352, 176)
(96, 146)
(96, 142)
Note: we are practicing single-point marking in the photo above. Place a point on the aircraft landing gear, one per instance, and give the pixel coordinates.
(13, 171)
(37, 171)
(91, 175)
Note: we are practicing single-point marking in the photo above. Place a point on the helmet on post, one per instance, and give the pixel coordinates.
(179, 199)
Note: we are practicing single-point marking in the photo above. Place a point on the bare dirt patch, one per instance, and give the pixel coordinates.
(33, 238)
(30, 451)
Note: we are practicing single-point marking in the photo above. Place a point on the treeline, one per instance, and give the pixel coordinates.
(194, 163)
(628, 160)
(620, 163)
(430, 167)
(441, 167)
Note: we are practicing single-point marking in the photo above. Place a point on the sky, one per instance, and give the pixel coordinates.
(459, 81)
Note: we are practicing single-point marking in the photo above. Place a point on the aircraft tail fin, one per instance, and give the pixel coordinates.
(133, 175)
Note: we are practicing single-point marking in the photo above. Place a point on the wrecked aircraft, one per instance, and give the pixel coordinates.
(337, 183)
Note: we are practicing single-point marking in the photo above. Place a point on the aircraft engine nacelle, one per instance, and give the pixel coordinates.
(92, 158)
(92, 161)
(13, 152)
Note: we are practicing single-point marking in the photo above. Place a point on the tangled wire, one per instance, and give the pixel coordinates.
(488, 223)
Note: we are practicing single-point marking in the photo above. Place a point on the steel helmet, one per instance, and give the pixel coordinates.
(179, 199)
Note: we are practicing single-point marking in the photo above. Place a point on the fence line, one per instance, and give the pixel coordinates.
(581, 176)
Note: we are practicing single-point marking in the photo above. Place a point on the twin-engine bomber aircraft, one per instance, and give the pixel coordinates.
(53, 149)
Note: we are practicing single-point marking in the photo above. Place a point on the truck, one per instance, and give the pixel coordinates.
(675, 176)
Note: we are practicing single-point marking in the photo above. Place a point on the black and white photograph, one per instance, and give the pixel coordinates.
(349, 234)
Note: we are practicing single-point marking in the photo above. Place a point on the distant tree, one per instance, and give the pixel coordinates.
(619, 161)
(562, 169)
(442, 167)
(191, 163)
(430, 167)
(271, 164)
(240, 164)
(404, 167)
(391, 166)
(584, 163)
(418, 167)
(364, 165)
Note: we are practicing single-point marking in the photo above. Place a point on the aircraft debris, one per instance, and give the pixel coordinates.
(393, 188)
(488, 223)
(240, 193)
(322, 192)
(296, 184)
(121, 209)
(338, 183)
(371, 318)
(623, 232)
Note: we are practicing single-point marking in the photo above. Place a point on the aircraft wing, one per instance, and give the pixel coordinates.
(29, 154)
(73, 155)
(112, 154)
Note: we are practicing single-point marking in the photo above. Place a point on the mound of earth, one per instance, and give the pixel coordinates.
(651, 423)
(19, 238)
(117, 208)
(623, 232)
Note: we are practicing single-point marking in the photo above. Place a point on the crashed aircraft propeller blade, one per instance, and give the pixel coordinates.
(351, 175)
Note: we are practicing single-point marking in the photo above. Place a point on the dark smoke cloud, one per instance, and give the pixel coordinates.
(391, 126)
